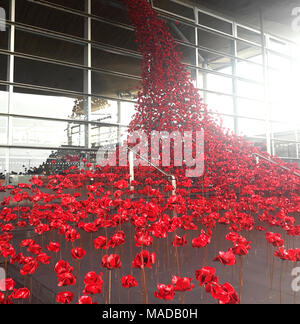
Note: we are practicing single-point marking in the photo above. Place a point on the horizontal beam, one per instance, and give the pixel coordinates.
(71, 121)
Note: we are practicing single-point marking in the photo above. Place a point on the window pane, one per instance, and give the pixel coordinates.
(48, 75)
(103, 136)
(127, 112)
(48, 47)
(249, 71)
(113, 86)
(111, 10)
(3, 130)
(249, 35)
(215, 23)
(188, 53)
(249, 52)
(215, 62)
(180, 31)
(175, 8)
(280, 46)
(251, 108)
(250, 90)
(77, 5)
(34, 132)
(283, 149)
(4, 35)
(28, 161)
(38, 103)
(219, 83)
(112, 35)
(3, 100)
(219, 103)
(284, 131)
(278, 62)
(33, 14)
(215, 42)
(3, 67)
(249, 127)
(115, 62)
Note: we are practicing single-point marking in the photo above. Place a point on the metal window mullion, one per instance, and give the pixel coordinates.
(204, 65)
(234, 80)
(119, 119)
(196, 49)
(264, 44)
(10, 79)
(87, 74)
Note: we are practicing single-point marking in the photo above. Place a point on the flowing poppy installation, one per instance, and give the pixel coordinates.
(93, 218)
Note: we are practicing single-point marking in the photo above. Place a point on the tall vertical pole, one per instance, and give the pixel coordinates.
(197, 51)
(87, 77)
(297, 145)
(269, 140)
(119, 118)
(131, 168)
(234, 80)
(10, 78)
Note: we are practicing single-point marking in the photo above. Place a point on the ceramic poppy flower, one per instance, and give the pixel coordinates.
(117, 239)
(229, 295)
(179, 241)
(240, 250)
(101, 242)
(34, 248)
(111, 261)
(43, 258)
(29, 267)
(53, 247)
(93, 283)
(22, 293)
(143, 259)
(85, 300)
(65, 297)
(165, 292)
(66, 279)
(27, 243)
(129, 281)
(274, 239)
(201, 241)
(78, 253)
(62, 267)
(143, 238)
(205, 275)
(226, 258)
(182, 284)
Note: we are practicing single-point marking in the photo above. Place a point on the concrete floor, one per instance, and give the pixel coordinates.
(266, 280)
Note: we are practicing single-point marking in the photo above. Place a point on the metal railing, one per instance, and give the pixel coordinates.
(131, 168)
(259, 156)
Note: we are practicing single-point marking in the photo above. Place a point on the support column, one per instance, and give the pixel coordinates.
(234, 80)
(87, 77)
(119, 121)
(10, 78)
(200, 58)
(269, 136)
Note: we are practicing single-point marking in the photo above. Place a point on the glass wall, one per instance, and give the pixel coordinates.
(69, 72)
(246, 78)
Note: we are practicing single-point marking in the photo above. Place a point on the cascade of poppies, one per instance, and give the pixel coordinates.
(90, 234)
(168, 101)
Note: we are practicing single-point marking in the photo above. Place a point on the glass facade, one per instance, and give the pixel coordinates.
(69, 72)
